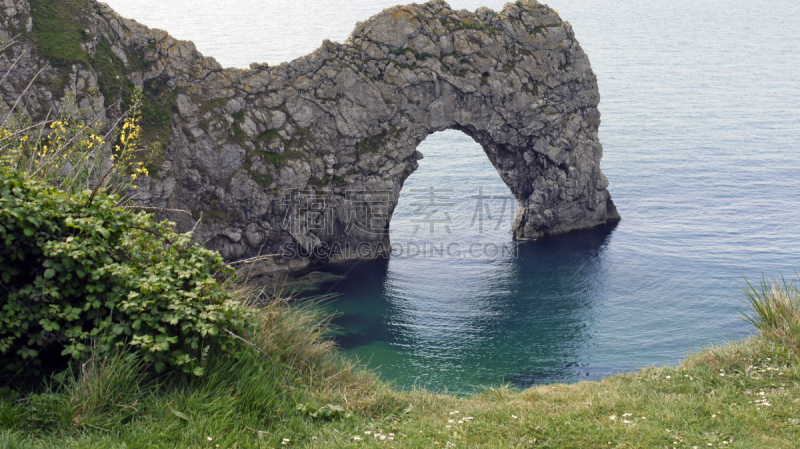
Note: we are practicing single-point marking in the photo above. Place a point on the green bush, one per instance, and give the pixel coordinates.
(80, 274)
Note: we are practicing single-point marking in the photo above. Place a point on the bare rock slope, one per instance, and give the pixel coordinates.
(315, 151)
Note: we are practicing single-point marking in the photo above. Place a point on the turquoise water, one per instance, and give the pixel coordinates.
(701, 130)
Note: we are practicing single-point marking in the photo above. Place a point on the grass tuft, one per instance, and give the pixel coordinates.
(775, 308)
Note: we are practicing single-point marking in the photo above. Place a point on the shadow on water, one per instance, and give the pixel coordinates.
(459, 323)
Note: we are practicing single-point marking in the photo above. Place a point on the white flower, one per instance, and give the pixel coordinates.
(285, 441)
(514, 416)
(357, 438)
(669, 377)
(209, 438)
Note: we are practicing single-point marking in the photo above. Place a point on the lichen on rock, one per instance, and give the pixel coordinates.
(244, 149)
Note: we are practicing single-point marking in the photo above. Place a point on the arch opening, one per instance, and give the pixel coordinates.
(454, 204)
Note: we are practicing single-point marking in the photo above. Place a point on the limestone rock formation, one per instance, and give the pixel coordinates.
(314, 152)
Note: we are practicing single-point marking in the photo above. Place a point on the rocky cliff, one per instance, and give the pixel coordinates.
(313, 153)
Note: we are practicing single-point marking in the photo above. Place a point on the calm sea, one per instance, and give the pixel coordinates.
(701, 129)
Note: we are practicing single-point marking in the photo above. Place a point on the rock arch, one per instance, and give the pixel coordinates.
(314, 152)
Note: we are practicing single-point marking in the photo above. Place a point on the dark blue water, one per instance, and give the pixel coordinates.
(701, 130)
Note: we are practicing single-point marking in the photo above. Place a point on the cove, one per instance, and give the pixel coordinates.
(559, 309)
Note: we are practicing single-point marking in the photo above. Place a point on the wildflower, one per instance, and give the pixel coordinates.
(209, 438)
(285, 441)
(514, 416)
(669, 377)
(357, 438)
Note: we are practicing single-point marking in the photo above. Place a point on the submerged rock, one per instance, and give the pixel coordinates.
(306, 159)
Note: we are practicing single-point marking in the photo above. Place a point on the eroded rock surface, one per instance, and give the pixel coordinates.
(244, 148)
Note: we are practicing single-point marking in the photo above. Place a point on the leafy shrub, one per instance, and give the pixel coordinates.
(78, 272)
(326, 412)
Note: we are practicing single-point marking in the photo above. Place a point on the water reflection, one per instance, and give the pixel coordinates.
(459, 323)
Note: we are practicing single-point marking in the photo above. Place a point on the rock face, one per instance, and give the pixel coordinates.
(312, 154)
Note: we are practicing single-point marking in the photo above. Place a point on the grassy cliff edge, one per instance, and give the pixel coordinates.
(740, 395)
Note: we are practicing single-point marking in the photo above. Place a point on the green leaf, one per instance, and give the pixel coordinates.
(49, 273)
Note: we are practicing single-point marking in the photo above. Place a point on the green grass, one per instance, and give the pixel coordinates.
(59, 31)
(740, 395)
(773, 304)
